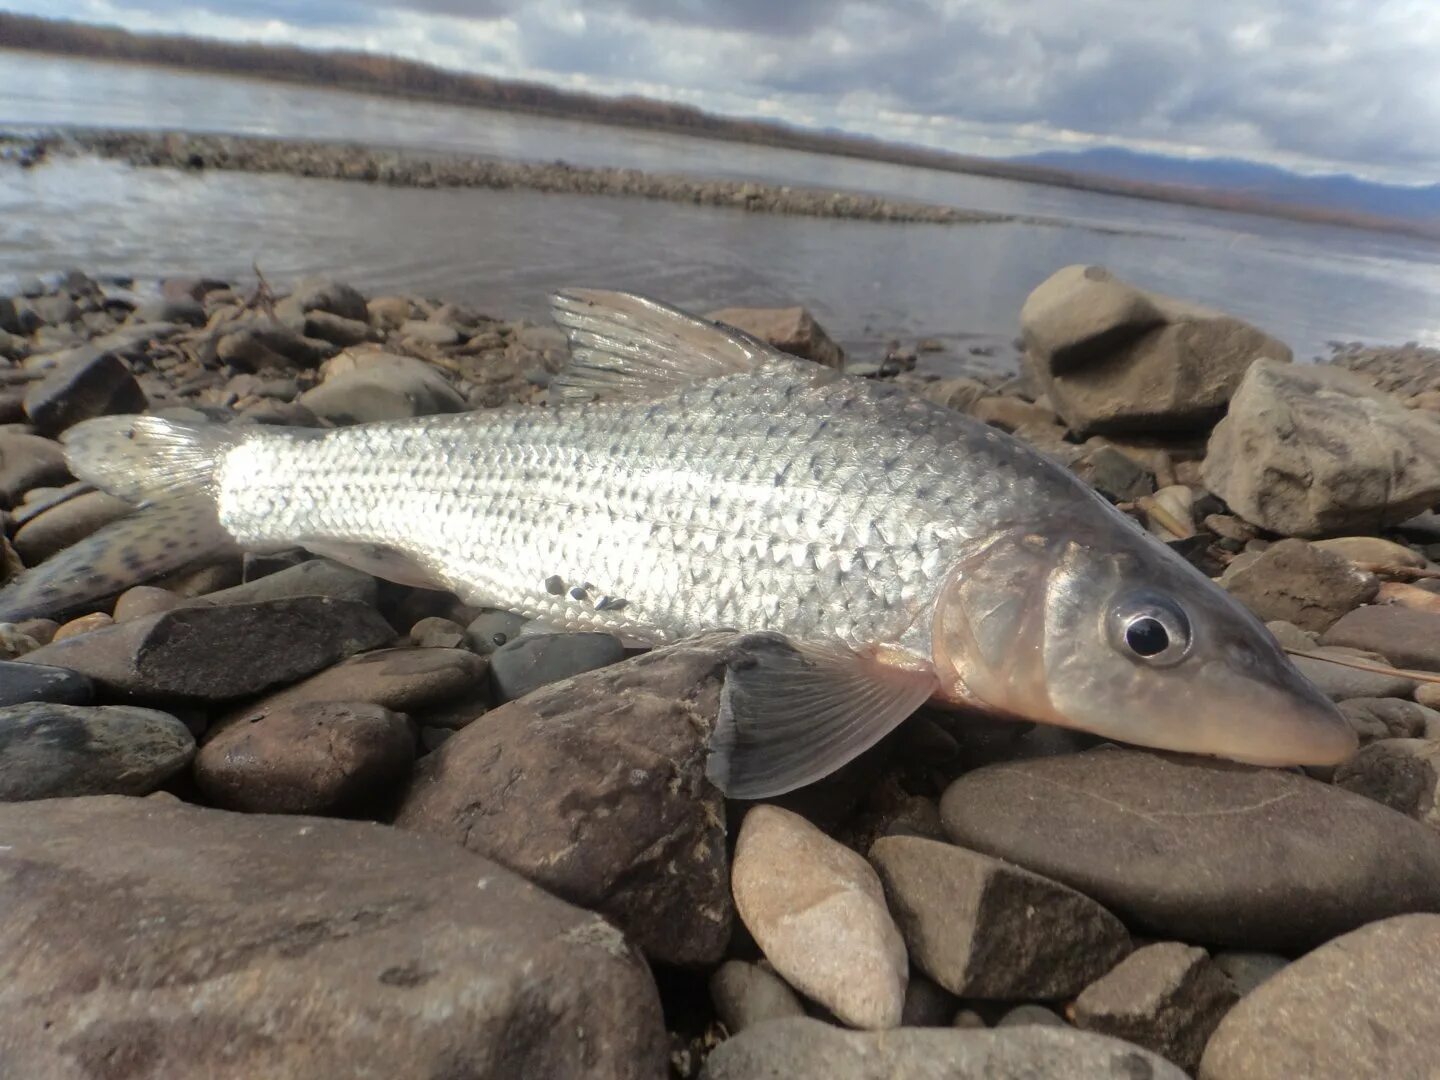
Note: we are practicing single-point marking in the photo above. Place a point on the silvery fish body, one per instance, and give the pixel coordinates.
(888, 551)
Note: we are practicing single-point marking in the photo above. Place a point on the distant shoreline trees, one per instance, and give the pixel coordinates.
(392, 76)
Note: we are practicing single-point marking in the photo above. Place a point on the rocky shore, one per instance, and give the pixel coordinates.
(273, 816)
(356, 162)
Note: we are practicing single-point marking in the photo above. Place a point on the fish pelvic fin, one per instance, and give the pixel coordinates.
(167, 467)
(794, 712)
(625, 347)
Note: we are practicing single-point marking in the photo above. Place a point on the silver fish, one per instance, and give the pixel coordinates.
(690, 478)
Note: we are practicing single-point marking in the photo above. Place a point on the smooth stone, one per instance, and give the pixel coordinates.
(1388, 718)
(1025, 1015)
(434, 632)
(219, 653)
(1372, 549)
(429, 333)
(1403, 774)
(1247, 970)
(1201, 850)
(87, 385)
(399, 389)
(985, 929)
(817, 910)
(791, 329)
(491, 630)
(325, 758)
(927, 1003)
(746, 994)
(67, 523)
(145, 938)
(21, 684)
(317, 577)
(85, 624)
(1299, 583)
(337, 329)
(1340, 683)
(1167, 998)
(29, 461)
(336, 297)
(51, 751)
(1407, 638)
(519, 667)
(145, 600)
(1361, 1005)
(811, 1048)
(595, 789)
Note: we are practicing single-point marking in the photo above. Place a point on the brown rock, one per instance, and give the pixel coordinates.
(145, 600)
(1399, 773)
(983, 928)
(143, 938)
(66, 523)
(1167, 998)
(97, 620)
(87, 385)
(1361, 1005)
(1407, 638)
(1300, 583)
(595, 789)
(219, 653)
(1114, 358)
(315, 758)
(792, 330)
(1372, 549)
(28, 461)
(818, 912)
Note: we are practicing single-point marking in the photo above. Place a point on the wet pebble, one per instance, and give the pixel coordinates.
(1408, 638)
(747, 994)
(520, 667)
(1300, 583)
(50, 751)
(1399, 773)
(68, 522)
(1247, 970)
(434, 632)
(818, 912)
(29, 461)
(87, 384)
(145, 600)
(22, 684)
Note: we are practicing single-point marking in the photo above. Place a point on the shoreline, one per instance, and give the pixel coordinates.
(357, 162)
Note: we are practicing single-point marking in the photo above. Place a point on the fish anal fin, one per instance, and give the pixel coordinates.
(625, 347)
(794, 712)
(378, 560)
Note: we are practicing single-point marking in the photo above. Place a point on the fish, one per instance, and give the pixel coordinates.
(686, 477)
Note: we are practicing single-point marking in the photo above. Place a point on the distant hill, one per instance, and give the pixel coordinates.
(1338, 191)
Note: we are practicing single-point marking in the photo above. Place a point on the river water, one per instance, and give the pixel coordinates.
(867, 282)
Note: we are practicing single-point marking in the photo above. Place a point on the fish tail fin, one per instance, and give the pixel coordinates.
(165, 465)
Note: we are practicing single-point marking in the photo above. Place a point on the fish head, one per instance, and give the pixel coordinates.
(1114, 634)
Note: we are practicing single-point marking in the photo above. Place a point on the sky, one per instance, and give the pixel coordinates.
(1313, 85)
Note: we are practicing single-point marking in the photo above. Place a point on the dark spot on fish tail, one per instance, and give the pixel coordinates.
(50, 590)
(133, 560)
(171, 544)
(554, 585)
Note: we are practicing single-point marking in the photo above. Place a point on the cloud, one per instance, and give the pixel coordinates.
(1308, 83)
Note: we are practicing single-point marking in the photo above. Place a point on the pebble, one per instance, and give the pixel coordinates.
(1167, 998)
(336, 297)
(984, 929)
(317, 577)
(1399, 773)
(1247, 970)
(1299, 583)
(594, 788)
(1340, 683)
(490, 630)
(521, 666)
(1372, 549)
(1200, 850)
(927, 1003)
(1028, 1014)
(1388, 718)
(98, 620)
(145, 600)
(1409, 638)
(326, 758)
(818, 912)
(28, 461)
(87, 384)
(436, 633)
(746, 994)
(337, 329)
(50, 751)
(21, 684)
(810, 1048)
(66, 523)
(1361, 1005)
(168, 940)
(429, 333)
(401, 388)
(219, 653)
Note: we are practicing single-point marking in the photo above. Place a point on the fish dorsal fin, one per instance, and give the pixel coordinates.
(794, 712)
(625, 347)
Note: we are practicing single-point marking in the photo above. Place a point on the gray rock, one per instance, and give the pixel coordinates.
(434, 632)
(429, 333)
(1199, 850)
(219, 653)
(21, 684)
(265, 345)
(337, 329)
(1340, 683)
(1247, 970)
(145, 600)
(1299, 583)
(56, 309)
(792, 330)
(1307, 450)
(311, 758)
(1114, 358)
(810, 1048)
(143, 938)
(595, 789)
(171, 309)
(87, 385)
(490, 630)
(1399, 773)
(746, 994)
(1361, 1005)
(818, 912)
(1407, 638)
(983, 928)
(520, 667)
(50, 751)
(1025, 1015)
(29, 461)
(68, 522)
(317, 577)
(1167, 998)
(322, 294)
(1387, 718)
(399, 389)
(1114, 474)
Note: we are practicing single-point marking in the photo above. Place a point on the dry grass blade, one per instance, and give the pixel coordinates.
(1414, 573)
(1369, 665)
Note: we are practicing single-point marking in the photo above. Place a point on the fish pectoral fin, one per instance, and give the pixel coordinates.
(794, 712)
(379, 561)
(625, 347)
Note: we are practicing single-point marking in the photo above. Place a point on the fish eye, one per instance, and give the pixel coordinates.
(1151, 629)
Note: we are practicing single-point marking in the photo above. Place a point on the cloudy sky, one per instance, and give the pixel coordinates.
(1312, 84)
